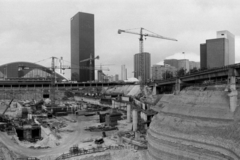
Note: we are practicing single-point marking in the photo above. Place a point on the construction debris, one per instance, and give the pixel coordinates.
(36, 124)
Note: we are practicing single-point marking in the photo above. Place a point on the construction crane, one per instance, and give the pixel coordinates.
(7, 107)
(90, 64)
(88, 68)
(83, 67)
(62, 67)
(142, 35)
(2, 116)
(104, 65)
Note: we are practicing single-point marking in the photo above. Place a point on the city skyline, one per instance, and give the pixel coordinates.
(40, 29)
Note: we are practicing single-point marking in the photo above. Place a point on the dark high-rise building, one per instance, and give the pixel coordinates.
(218, 52)
(146, 64)
(203, 56)
(82, 47)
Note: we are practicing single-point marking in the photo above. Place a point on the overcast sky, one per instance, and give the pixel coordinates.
(33, 30)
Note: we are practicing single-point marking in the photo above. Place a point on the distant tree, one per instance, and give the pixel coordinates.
(202, 69)
(75, 76)
(181, 72)
(167, 75)
(68, 94)
(193, 70)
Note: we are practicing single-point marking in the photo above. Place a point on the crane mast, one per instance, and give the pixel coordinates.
(53, 76)
(141, 41)
(7, 107)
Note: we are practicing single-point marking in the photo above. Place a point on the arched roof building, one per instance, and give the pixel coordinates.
(17, 70)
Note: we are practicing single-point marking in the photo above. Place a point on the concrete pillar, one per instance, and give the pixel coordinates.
(233, 93)
(128, 113)
(113, 103)
(137, 135)
(154, 92)
(119, 139)
(232, 83)
(177, 85)
(135, 119)
(233, 100)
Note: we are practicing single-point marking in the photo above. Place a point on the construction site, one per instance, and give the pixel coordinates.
(121, 122)
(183, 113)
(189, 117)
(105, 123)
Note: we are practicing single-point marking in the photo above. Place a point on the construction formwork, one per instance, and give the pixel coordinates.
(28, 132)
(111, 119)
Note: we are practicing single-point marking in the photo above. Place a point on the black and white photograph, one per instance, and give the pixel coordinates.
(119, 80)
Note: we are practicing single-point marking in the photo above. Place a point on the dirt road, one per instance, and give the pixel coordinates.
(73, 138)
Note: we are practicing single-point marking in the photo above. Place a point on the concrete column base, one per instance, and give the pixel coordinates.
(137, 135)
(129, 113)
(177, 86)
(233, 100)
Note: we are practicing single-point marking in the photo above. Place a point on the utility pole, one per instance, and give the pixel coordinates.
(142, 71)
(53, 75)
(90, 71)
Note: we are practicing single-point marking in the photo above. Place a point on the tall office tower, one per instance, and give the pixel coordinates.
(230, 57)
(82, 47)
(203, 56)
(123, 72)
(218, 52)
(146, 64)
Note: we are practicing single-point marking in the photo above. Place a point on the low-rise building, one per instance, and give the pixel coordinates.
(159, 70)
(182, 63)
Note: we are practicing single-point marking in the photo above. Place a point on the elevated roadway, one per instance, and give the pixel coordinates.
(47, 84)
(210, 74)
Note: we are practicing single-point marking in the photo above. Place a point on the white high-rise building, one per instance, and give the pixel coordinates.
(218, 52)
(230, 57)
(123, 72)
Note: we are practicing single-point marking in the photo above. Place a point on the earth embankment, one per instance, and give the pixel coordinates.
(195, 124)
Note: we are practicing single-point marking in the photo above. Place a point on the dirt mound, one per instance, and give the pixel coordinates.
(195, 124)
(6, 154)
(198, 102)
